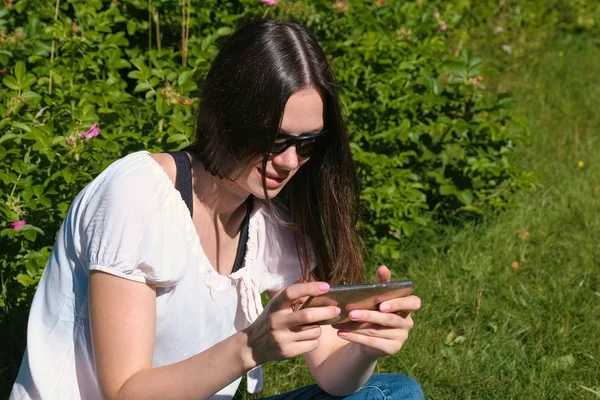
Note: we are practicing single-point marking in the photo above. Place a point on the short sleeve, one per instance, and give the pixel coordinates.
(282, 266)
(129, 224)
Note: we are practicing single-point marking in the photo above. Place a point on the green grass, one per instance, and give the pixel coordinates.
(536, 334)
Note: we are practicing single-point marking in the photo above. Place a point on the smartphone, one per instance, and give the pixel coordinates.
(365, 296)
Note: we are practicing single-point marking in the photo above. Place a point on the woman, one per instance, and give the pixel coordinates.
(153, 287)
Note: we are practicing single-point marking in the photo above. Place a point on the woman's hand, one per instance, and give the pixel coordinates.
(381, 333)
(280, 332)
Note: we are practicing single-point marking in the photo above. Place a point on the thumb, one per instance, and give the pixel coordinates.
(383, 274)
(297, 291)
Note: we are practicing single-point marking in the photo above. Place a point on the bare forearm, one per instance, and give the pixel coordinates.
(345, 371)
(198, 377)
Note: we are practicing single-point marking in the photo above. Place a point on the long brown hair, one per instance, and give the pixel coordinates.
(245, 92)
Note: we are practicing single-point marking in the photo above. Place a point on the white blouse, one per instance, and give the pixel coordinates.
(131, 222)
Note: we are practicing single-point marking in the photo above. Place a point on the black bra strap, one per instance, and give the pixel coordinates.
(241, 250)
(183, 183)
(183, 180)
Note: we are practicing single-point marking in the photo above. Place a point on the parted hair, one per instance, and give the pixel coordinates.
(254, 74)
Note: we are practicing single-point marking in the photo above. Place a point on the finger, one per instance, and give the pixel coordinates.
(302, 347)
(375, 331)
(383, 274)
(355, 326)
(389, 320)
(302, 328)
(312, 332)
(298, 303)
(297, 291)
(311, 315)
(384, 345)
(399, 304)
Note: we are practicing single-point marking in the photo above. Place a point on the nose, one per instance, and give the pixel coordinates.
(288, 159)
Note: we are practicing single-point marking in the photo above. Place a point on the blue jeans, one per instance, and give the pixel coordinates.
(379, 387)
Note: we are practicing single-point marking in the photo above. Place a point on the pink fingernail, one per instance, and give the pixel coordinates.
(338, 311)
(343, 333)
(355, 314)
(385, 307)
(323, 287)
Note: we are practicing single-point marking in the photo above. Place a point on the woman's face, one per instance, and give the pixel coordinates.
(303, 114)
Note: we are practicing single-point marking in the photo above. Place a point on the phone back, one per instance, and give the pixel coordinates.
(359, 297)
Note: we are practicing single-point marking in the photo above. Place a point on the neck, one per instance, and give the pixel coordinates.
(221, 198)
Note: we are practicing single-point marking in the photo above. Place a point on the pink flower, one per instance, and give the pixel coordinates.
(18, 225)
(443, 27)
(270, 2)
(74, 27)
(92, 132)
(436, 14)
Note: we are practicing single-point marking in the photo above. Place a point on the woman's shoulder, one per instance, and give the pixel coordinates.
(167, 163)
(137, 177)
(137, 169)
(130, 220)
(137, 187)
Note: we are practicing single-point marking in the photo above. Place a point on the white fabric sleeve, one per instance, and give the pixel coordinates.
(127, 227)
(282, 264)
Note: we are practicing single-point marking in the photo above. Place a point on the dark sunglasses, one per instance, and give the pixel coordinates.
(305, 143)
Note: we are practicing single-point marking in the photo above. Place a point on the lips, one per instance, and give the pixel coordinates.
(276, 178)
(273, 180)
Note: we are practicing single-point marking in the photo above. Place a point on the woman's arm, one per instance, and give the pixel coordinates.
(123, 325)
(339, 367)
(347, 353)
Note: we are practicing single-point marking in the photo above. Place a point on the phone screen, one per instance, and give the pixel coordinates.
(366, 296)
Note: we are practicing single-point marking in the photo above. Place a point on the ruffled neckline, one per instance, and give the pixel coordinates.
(214, 280)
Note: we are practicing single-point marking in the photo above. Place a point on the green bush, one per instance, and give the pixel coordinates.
(429, 140)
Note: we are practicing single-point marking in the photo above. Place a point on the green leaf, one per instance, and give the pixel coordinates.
(446, 190)
(20, 71)
(472, 209)
(142, 87)
(69, 176)
(28, 80)
(9, 136)
(31, 97)
(11, 83)
(131, 27)
(10, 232)
(465, 196)
(224, 31)
(22, 126)
(135, 75)
(30, 235)
(179, 125)
(184, 77)
(25, 280)
(63, 207)
(121, 63)
(139, 64)
(177, 138)
(162, 106)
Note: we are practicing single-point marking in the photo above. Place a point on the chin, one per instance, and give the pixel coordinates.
(271, 193)
(274, 187)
